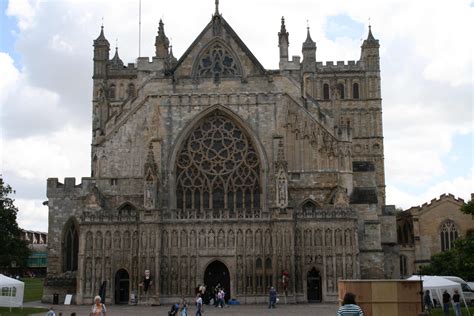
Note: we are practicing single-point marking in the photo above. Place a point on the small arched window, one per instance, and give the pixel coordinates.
(131, 90)
(308, 208)
(355, 91)
(403, 266)
(340, 90)
(448, 234)
(326, 91)
(71, 247)
(112, 92)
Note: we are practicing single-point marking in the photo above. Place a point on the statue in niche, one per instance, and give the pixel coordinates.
(135, 240)
(89, 241)
(231, 239)
(339, 273)
(317, 238)
(143, 240)
(349, 270)
(240, 274)
(108, 272)
(212, 239)
(108, 242)
(152, 240)
(88, 275)
(174, 276)
(164, 275)
(348, 237)
(149, 193)
(98, 272)
(184, 276)
(126, 240)
(328, 238)
(282, 189)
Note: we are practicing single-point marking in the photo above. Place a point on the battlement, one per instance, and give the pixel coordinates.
(339, 66)
(437, 201)
(69, 187)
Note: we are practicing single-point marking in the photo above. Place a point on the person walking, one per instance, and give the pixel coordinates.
(199, 307)
(427, 302)
(273, 297)
(349, 306)
(98, 309)
(446, 302)
(457, 303)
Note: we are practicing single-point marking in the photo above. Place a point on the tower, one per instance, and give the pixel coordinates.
(101, 55)
(161, 42)
(283, 41)
(309, 54)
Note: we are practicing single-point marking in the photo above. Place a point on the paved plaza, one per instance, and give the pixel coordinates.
(235, 310)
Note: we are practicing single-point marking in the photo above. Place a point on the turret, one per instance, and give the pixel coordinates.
(116, 62)
(101, 55)
(309, 54)
(283, 41)
(161, 42)
(370, 57)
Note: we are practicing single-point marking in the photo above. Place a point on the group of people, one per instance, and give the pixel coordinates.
(456, 300)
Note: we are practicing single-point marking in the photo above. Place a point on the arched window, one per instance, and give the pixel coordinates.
(403, 266)
(112, 92)
(217, 168)
(131, 90)
(309, 208)
(355, 91)
(449, 233)
(126, 209)
(340, 90)
(71, 247)
(326, 91)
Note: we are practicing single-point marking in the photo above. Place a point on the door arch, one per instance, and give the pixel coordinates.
(122, 287)
(313, 285)
(217, 273)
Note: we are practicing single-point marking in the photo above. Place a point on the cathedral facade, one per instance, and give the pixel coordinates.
(212, 169)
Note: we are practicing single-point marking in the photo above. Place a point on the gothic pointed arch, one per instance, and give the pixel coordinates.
(217, 163)
(70, 245)
(217, 60)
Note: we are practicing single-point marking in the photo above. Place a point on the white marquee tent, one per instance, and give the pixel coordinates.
(11, 292)
(437, 285)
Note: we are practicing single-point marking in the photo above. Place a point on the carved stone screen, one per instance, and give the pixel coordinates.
(217, 168)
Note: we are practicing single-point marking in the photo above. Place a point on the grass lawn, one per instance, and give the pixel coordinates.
(5, 311)
(33, 289)
(439, 311)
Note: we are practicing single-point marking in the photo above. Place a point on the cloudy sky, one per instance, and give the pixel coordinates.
(426, 63)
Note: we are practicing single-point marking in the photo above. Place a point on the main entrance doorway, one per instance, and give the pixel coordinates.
(122, 287)
(313, 283)
(217, 274)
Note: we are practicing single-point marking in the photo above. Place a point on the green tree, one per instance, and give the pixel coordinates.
(12, 248)
(468, 208)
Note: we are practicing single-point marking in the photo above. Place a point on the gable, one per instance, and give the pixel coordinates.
(218, 53)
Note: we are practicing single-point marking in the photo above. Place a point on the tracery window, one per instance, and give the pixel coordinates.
(71, 247)
(309, 208)
(449, 233)
(217, 168)
(217, 62)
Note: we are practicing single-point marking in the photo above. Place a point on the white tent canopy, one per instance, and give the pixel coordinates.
(11, 292)
(437, 285)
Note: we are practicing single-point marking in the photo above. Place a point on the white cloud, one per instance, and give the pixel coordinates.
(24, 10)
(460, 187)
(32, 214)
